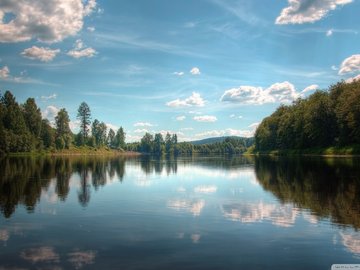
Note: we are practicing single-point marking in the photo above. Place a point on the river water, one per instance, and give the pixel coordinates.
(179, 213)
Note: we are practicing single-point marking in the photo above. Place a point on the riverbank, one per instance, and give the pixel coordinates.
(78, 151)
(334, 151)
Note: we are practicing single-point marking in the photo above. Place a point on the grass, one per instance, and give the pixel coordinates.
(77, 151)
(351, 150)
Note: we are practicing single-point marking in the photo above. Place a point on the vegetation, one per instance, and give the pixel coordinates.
(22, 129)
(324, 119)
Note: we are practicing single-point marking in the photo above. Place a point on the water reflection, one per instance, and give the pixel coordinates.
(330, 188)
(163, 207)
(279, 215)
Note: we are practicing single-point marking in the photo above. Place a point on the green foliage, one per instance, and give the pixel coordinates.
(99, 131)
(84, 115)
(63, 132)
(326, 118)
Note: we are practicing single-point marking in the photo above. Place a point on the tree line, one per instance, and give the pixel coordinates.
(158, 145)
(325, 118)
(22, 128)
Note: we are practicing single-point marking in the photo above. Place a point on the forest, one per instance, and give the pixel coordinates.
(324, 119)
(23, 130)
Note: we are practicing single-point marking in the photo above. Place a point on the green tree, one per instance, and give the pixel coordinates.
(32, 116)
(158, 144)
(99, 132)
(63, 132)
(47, 134)
(111, 138)
(120, 138)
(146, 143)
(84, 115)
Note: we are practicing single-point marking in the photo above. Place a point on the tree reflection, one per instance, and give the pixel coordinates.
(23, 179)
(328, 187)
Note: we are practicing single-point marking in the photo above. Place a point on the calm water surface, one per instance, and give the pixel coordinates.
(184, 213)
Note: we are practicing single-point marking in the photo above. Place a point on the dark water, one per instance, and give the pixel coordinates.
(185, 213)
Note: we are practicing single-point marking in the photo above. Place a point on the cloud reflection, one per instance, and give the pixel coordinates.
(279, 215)
(4, 235)
(351, 240)
(205, 189)
(81, 258)
(41, 254)
(193, 206)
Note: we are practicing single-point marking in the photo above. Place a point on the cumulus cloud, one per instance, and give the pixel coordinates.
(310, 88)
(205, 118)
(80, 50)
(229, 132)
(278, 92)
(49, 113)
(4, 73)
(282, 92)
(307, 11)
(350, 64)
(194, 100)
(112, 126)
(143, 124)
(329, 32)
(43, 54)
(181, 118)
(353, 79)
(178, 73)
(195, 71)
(44, 20)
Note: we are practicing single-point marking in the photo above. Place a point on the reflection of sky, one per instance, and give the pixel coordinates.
(279, 215)
(351, 240)
(196, 205)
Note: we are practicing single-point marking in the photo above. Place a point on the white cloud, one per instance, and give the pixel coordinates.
(278, 92)
(44, 20)
(205, 118)
(80, 51)
(229, 132)
(111, 126)
(333, 67)
(75, 126)
(205, 189)
(234, 116)
(91, 29)
(246, 95)
(329, 32)
(143, 124)
(43, 54)
(4, 73)
(353, 79)
(307, 11)
(181, 118)
(45, 98)
(141, 130)
(186, 129)
(350, 64)
(283, 92)
(195, 71)
(49, 113)
(194, 100)
(310, 88)
(178, 73)
(6, 76)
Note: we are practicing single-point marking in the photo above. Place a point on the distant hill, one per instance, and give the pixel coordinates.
(248, 141)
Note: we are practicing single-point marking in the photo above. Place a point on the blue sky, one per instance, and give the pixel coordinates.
(198, 68)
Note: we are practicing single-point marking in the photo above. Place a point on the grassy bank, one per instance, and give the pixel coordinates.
(78, 151)
(352, 150)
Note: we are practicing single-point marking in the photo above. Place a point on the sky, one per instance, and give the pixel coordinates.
(200, 69)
